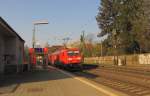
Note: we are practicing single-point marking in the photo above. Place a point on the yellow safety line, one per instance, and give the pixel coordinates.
(88, 83)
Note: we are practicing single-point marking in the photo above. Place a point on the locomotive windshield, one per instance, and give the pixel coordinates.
(73, 53)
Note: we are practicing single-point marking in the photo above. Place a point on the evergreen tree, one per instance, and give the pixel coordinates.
(128, 19)
(104, 17)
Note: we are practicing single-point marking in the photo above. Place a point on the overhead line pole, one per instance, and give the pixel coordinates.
(33, 38)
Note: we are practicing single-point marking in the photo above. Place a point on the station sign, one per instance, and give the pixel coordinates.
(38, 50)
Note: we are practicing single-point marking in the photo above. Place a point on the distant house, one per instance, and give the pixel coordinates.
(11, 49)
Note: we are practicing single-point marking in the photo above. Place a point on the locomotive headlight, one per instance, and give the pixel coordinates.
(69, 59)
(79, 58)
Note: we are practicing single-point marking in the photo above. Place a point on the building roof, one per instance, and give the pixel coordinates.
(7, 25)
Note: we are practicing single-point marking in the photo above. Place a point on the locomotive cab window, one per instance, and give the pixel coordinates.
(73, 53)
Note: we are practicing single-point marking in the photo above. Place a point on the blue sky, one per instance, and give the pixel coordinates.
(67, 18)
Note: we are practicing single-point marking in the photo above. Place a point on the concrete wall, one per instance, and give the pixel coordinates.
(14, 47)
(21, 51)
(129, 60)
(19, 46)
(1, 54)
(11, 50)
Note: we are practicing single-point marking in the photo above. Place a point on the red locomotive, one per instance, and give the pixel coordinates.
(66, 58)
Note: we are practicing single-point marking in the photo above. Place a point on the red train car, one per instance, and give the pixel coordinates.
(34, 52)
(32, 56)
(70, 57)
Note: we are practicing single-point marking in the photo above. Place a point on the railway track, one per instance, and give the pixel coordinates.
(144, 71)
(131, 83)
(126, 87)
(142, 80)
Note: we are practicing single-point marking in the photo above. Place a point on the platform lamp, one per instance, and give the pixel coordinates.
(39, 22)
(114, 33)
(101, 51)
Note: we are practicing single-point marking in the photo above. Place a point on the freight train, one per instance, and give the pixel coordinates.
(66, 58)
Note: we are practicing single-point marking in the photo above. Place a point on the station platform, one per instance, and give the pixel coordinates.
(54, 82)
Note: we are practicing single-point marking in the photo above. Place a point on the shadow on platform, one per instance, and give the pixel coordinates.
(89, 66)
(11, 82)
(85, 73)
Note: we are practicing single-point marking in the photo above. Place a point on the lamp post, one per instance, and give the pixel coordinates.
(82, 43)
(39, 22)
(101, 48)
(33, 38)
(114, 46)
(101, 51)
